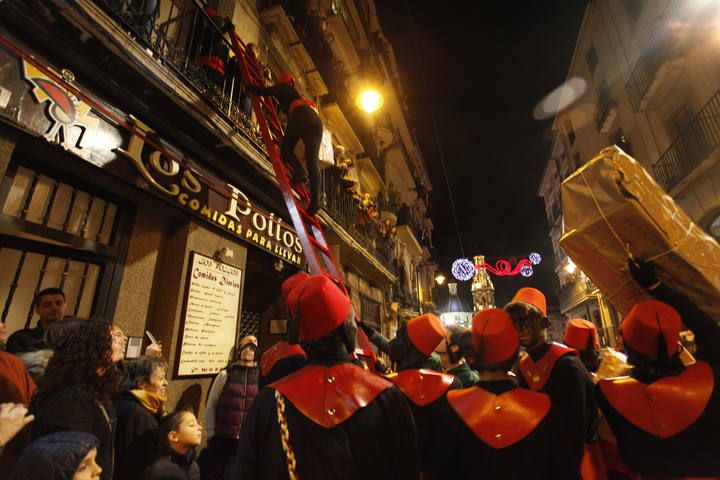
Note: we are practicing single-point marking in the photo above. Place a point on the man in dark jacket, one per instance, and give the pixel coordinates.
(495, 429)
(50, 307)
(303, 124)
(330, 420)
(138, 410)
(231, 396)
(556, 370)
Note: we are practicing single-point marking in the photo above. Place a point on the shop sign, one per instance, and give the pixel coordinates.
(66, 115)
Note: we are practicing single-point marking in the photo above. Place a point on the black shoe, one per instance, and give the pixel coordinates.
(298, 181)
(313, 207)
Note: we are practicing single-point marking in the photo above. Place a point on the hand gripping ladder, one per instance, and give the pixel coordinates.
(308, 228)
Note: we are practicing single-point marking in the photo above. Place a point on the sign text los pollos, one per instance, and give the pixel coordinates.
(230, 209)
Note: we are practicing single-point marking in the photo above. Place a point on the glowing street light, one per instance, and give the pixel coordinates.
(570, 267)
(440, 279)
(369, 100)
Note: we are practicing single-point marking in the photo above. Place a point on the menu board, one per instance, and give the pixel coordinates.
(210, 316)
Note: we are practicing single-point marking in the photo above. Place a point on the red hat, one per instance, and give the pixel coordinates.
(494, 337)
(579, 333)
(321, 306)
(532, 296)
(286, 78)
(644, 323)
(426, 332)
(277, 352)
(290, 283)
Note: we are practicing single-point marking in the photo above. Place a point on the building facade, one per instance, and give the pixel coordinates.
(644, 76)
(134, 176)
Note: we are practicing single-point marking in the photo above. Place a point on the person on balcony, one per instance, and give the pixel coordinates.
(214, 50)
(304, 124)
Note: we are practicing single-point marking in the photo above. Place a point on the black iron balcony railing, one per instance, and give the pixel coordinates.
(406, 217)
(370, 310)
(555, 213)
(660, 48)
(405, 296)
(195, 44)
(694, 144)
(339, 203)
(339, 7)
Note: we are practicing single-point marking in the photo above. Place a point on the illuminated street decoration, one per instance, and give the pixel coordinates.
(535, 258)
(463, 269)
(503, 268)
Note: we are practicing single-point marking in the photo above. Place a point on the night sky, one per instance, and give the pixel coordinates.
(483, 68)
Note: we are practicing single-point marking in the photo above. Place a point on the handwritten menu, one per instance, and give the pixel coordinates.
(212, 309)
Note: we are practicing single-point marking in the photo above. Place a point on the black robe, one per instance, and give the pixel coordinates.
(695, 451)
(457, 453)
(571, 392)
(379, 442)
(427, 422)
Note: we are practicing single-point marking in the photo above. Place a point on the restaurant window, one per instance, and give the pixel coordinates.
(55, 232)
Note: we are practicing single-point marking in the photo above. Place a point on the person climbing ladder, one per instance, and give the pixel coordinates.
(304, 124)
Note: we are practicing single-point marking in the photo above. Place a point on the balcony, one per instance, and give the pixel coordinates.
(343, 208)
(188, 46)
(693, 150)
(345, 36)
(409, 232)
(606, 111)
(178, 37)
(405, 296)
(290, 31)
(555, 214)
(370, 175)
(577, 292)
(659, 66)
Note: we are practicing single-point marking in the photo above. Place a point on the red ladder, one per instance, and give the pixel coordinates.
(308, 228)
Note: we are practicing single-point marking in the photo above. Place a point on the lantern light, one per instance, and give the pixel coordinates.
(370, 100)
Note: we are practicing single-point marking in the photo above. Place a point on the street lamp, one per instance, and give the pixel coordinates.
(439, 279)
(570, 267)
(369, 100)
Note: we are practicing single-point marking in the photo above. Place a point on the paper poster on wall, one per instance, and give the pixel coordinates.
(210, 316)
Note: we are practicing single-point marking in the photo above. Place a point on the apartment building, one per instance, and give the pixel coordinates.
(645, 75)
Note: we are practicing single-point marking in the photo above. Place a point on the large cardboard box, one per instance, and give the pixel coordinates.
(612, 209)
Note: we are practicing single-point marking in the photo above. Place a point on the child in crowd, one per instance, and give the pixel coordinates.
(60, 456)
(179, 434)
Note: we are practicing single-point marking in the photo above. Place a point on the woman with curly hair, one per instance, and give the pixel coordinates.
(80, 383)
